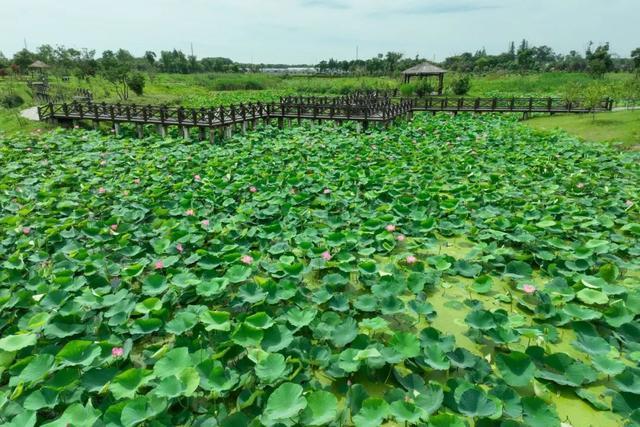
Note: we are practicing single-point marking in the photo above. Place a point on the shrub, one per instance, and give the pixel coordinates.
(136, 83)
(407, 89)
(461, 86)
(423, 88)
(11, 101)
(238, 83)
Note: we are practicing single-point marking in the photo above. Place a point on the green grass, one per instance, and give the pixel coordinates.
(616, 127)
(543, 84)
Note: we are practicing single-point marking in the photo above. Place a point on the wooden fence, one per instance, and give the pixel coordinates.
(364, 108)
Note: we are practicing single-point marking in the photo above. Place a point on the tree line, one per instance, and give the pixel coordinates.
(84, 63)
(597, 60)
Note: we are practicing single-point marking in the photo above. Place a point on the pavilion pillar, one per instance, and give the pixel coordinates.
(440, 83)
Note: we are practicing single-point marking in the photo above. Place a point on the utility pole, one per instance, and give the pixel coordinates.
(25, 44)
(357, 52)
(191, 48)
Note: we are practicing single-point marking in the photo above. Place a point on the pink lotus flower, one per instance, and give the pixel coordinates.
(326, 256)
(179, 247)
(26, 230)
(197, 178)
(247, 259)
(411, 259)
(580, 185)
(529, 289)
(189, 212)
(136, 181)
(390, 228)
(400, 237)
(253, 189)
(102, 190)
(326, 191)
(205, 222)
(628, 203)
(114, 227)
(117, 352)
(159, 265)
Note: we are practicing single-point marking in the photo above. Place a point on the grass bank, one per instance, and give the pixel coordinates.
(615, 127)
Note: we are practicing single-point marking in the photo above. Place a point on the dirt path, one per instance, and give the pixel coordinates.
(30, 113)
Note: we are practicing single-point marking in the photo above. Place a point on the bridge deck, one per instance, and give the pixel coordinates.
(360, 108)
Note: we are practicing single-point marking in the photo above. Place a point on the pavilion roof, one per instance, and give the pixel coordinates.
(426, 68)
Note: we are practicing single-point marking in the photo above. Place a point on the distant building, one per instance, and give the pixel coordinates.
(291, 70)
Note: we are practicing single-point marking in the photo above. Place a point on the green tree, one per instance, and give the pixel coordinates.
(593, 96)
(23, 59)
(4, 62)
(525, 56)
(599, 61)
(635, 57)
(115, 68)
(150, 57)
(135, 82)
(46, 54)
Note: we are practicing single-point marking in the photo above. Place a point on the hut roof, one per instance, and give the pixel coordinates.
(425, 68)
(38, 64)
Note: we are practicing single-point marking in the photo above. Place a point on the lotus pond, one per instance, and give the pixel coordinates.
(455, 271)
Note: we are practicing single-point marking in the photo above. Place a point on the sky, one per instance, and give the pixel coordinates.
(307, 31)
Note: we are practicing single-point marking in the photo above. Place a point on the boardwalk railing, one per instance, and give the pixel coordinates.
(508, 105)
(361, 108)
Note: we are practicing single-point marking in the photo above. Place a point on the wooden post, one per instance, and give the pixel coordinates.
(185, 133)
(116, 128)
(212, 135)
(201, 136)
(140, 130)
(162, 130)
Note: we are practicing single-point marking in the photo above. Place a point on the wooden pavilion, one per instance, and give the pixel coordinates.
(39, 65)
(426, 70)
(39, 68)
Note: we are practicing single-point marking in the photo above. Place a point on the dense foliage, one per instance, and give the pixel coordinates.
(449, 270)
(84, 63)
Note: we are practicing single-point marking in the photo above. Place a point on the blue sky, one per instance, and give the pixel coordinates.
(306, 31)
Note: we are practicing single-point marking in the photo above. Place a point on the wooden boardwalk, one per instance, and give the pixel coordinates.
(365, 109)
